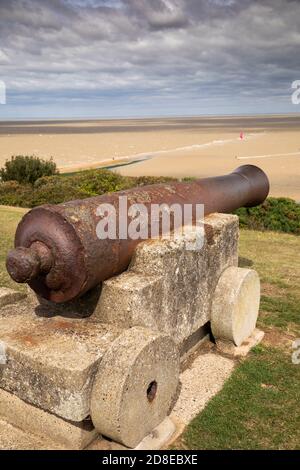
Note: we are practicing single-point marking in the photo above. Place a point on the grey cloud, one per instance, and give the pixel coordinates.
(159, 14)
(140, 50)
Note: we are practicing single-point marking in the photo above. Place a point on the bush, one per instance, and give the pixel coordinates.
(14, 194)
(27, 169)
(145, 180)
(277, 214)
(59, 188)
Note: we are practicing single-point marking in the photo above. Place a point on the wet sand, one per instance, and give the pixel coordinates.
(200, 146)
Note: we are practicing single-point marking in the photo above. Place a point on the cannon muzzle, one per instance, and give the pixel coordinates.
(58, 251)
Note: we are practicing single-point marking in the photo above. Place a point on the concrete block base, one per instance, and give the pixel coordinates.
(157, 439)
(50, 361)
(229, 349)
(45, 426)
(13, 438)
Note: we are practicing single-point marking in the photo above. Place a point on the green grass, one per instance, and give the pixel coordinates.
(280, 312)
(276, 257)
(258, 408)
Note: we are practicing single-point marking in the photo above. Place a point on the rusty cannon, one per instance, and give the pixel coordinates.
(57, 250)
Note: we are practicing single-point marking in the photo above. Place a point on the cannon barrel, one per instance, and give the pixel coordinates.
(57, 250)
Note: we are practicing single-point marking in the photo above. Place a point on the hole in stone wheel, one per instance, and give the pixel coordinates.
(151, 391)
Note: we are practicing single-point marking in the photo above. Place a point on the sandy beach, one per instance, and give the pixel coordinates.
(199, 146)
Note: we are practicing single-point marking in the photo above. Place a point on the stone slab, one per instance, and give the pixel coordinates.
(50, 361)
(45, 425)
(12, 438)
(168, 288)
(229, 349)
(157, 439)
(162, 434)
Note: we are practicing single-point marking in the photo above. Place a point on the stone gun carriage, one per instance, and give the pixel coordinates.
(112, 320)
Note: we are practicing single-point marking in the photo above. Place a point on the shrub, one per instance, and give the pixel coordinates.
(59, 188)
(145, 180)
(96, 182)
(278, 214)
(27, 169)
(56, 189)
(14, 194)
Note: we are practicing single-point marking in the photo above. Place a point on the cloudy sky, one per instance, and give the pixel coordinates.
(106, 58)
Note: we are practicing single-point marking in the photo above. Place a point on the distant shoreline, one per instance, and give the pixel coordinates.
(139, 118)
(99, 166)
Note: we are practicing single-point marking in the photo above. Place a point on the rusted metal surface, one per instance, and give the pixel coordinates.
(57, 250)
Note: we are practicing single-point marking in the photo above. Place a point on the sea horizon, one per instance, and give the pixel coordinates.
(147, 117)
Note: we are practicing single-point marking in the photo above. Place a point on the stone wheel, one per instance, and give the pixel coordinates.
(235, 305)
(135, 385)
